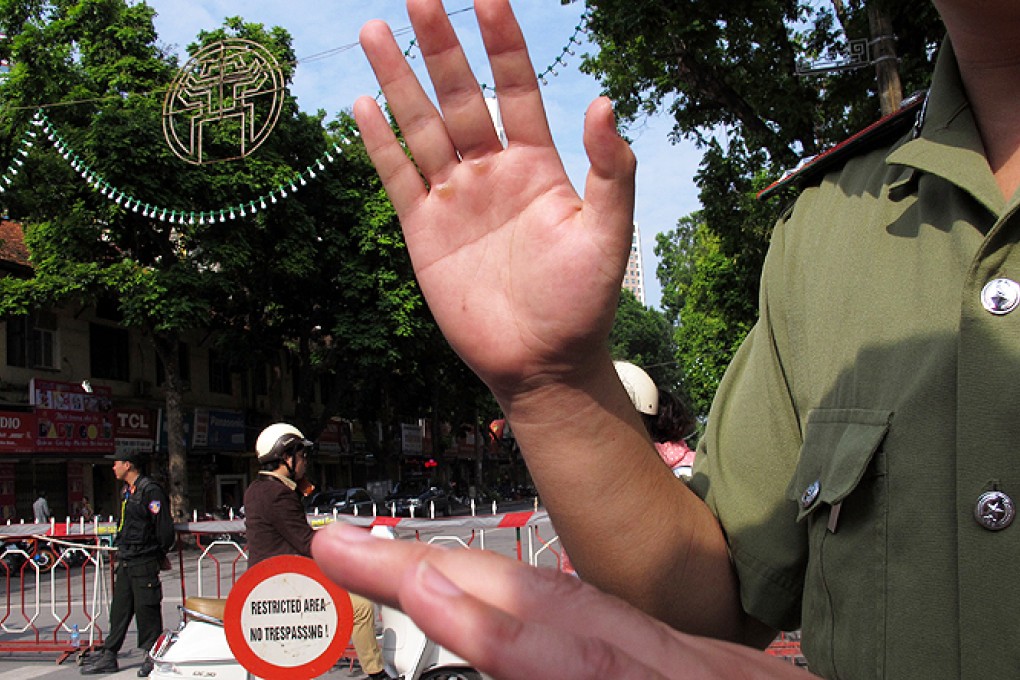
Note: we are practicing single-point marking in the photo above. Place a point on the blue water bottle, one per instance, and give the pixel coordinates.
(75, 637)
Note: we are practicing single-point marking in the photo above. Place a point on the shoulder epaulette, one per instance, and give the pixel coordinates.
(883, 130)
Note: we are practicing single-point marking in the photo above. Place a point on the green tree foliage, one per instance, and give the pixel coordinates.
(643, 336)
(323, 275)
(726, 73)
(99, 57)
(709, 310)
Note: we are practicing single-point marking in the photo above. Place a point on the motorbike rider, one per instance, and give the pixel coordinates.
(668, 420)
(276, 524)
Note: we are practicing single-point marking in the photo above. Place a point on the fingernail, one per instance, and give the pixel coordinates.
(434, 581)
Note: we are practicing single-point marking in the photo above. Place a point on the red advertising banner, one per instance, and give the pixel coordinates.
(75, 488)
(17, 432)
(69, 418)
(336, 437)
(8, 508)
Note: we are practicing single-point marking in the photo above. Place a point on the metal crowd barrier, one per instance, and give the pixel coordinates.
(57, 579)
(59, 576)
(222, 552)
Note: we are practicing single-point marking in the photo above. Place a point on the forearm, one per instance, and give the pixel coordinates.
(628, 525)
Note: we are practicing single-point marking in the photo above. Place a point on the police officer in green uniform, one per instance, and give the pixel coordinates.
(145, 534)
(859, 473)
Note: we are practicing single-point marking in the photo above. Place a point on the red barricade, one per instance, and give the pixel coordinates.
(56, 578)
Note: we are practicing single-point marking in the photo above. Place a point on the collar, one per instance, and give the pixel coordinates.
(288, 482)
(947, 142)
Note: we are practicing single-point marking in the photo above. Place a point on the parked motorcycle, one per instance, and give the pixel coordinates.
(17, 552)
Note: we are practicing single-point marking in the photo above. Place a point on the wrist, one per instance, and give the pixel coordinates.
(584, 401)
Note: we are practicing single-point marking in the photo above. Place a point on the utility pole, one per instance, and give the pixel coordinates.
(883, 56)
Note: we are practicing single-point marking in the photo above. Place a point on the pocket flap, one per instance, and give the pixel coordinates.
(838, 446)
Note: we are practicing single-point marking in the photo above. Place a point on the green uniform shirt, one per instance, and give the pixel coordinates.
(870, 408)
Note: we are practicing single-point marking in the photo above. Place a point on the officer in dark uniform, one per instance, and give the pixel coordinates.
(144, 536)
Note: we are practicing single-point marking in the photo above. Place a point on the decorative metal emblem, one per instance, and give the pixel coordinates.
(994, 510)
(1000, 296)
(224, 102)
(857, 55)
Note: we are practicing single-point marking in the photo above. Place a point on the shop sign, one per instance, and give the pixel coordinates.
(218, 429)
(71, 419)
(134, 430)
(17, 432)
(161, 434)
(411, 435)
(336, 437)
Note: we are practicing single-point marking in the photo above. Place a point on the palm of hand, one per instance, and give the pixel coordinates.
(516, 274)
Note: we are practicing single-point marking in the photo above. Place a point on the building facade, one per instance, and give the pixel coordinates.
(634, 278)
(77, 386)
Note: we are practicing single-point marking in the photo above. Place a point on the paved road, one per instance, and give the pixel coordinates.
(27, 666)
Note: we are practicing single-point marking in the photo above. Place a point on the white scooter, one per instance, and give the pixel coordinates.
(199, 649)
(408, 654)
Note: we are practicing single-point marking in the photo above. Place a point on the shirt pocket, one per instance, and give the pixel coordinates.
(839, 487)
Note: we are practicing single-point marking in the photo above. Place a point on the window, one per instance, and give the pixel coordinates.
(32, 341)
(108, 352)
(219, 374)
(108, 308)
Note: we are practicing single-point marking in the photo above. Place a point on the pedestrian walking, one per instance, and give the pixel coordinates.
(41, 509)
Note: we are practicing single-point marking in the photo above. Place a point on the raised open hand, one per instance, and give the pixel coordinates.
(521, 274)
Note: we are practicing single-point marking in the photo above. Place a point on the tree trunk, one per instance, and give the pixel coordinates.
(883, 56)
(177, 452)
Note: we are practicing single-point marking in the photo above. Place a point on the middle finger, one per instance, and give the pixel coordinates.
(460, 96)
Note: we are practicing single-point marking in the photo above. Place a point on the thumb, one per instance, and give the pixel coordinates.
(609, 188)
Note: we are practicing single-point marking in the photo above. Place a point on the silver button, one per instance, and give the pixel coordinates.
(1000, 296)
(994, 510)
(810, 494)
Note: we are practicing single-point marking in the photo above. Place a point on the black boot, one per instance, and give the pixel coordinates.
(91, 658)
(145, 668)
(105, 662)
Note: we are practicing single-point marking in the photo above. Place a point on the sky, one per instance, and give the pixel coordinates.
(332, 72)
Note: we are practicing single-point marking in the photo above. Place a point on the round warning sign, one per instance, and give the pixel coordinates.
(285, 618)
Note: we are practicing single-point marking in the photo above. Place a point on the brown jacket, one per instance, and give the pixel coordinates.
(275, 520)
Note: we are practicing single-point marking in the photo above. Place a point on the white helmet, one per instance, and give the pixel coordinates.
(641, 388)
(279, 440)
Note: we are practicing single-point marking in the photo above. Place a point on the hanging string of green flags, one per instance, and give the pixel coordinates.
(121, 197)
(30, 139)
